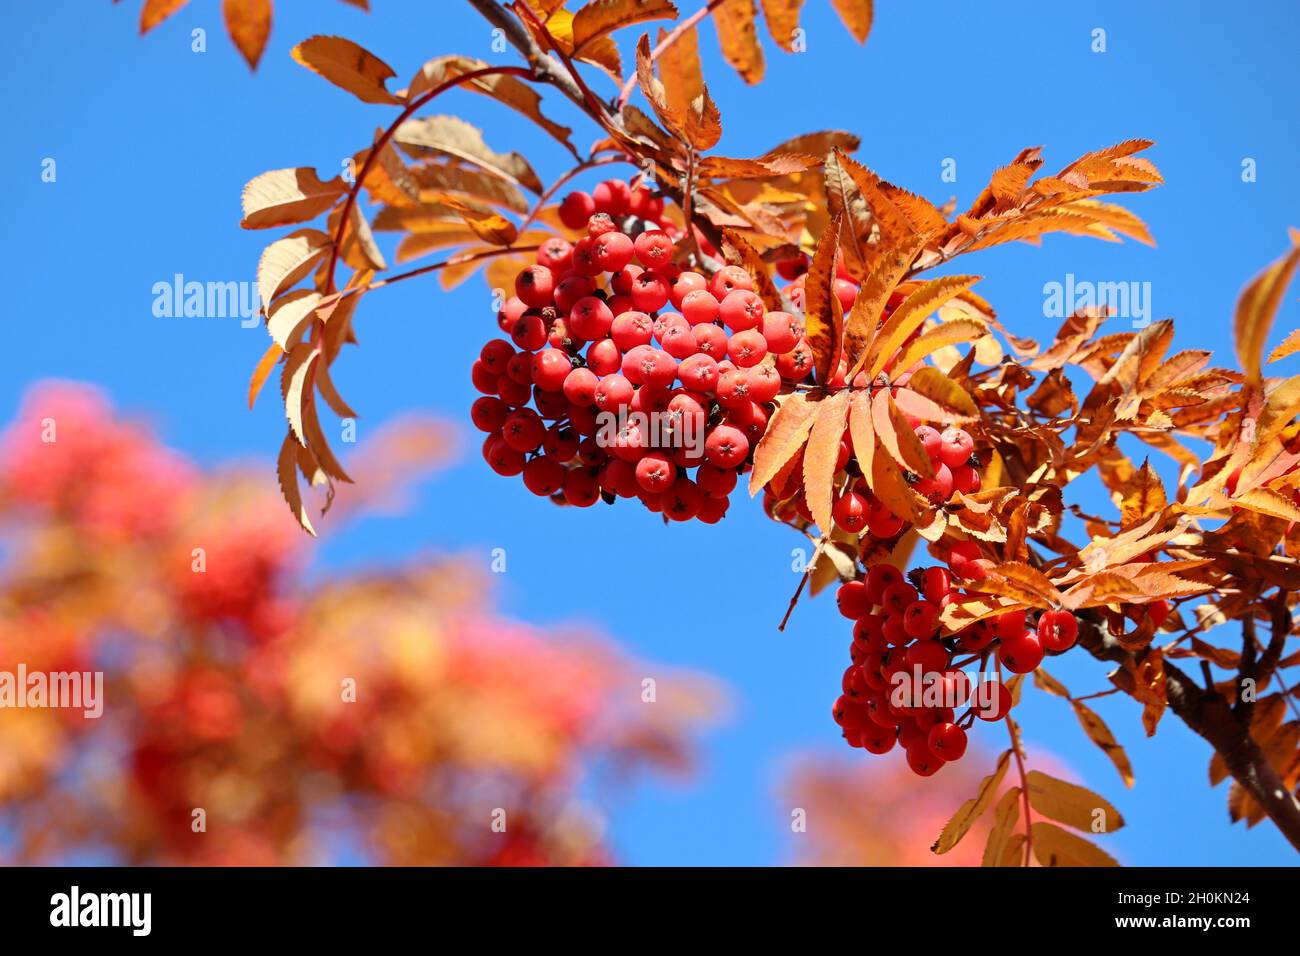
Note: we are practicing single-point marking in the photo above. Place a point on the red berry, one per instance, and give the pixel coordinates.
(655, 472)
(699, 306)
(1022, 654)
(570, 289)
(965, 479)
(956, 447)
(930, 440)
(711, 340)
(728, 279)
(544, 476)
(935, 584)
(747, 348)
(580, 386)
(795, 365)
(603, 357)
(1009, 626)
(741, 310)
(560, 443)
(649, 291)
(922, 759)
(529, 331)
(947, 741)
(921, 619)
(535, 286)
(782, 331)
(687, 282)
(654, 248)
(612, 197)
(550, 368)
(764, 383)
(612, 251)
(488, 413)
(503, 459)
(576, 209)
(581, 488)
(939, 488)
(897, 597)
(880, 578)
(682, 500)
(613, 392)
(732, 389)
(996, 705)
(523, 430)
(851, 599)
(556, 254)
(929, 655)
(850, 512)
(590, 319)
(846, 291)
(1058, 630)
(726, 446)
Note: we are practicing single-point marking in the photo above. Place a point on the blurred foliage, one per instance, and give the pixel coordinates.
(225, 670)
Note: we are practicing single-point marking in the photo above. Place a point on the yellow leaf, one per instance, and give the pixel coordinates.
(680, 72)
(265, 364)
(455, 137)
(1072, 805)
(1020, 582)
(862, 432)
(738, 36)
(786, 432)
(948, 333)
(1269, 502)
(488, 226)
(844, 202)
(820, 455)
(249, 24)
(822, 320)
(1290, 345)
(287, 316)
(505, 89)
(889, 485)
(282, 197)
(1005, 817)
(932, 385)
(909, 315)
(856, 15)
(600, 17)
(286, 471)
(295, 386)
(1056, 847)
(1143, 496)
(782, 18)
(347, 65)
(898, 437)
(1100, 735)
(155, 12)
(286, 261)
(703, 122)
(972, 809)
(1256, 308)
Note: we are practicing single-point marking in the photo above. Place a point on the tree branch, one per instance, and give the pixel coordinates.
(1211, 716)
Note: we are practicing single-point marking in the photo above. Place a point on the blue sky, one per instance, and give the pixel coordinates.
(153, 143)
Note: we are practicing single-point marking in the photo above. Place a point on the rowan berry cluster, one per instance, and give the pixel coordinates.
(907, 680)
(626, 375)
